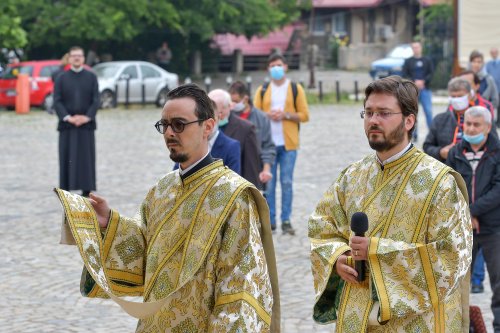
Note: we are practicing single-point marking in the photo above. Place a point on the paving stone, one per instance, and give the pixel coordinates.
(40, 278)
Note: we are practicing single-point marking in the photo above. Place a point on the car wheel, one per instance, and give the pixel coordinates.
(10, 108)
(48, 103)
(107, 99)
(162, 97)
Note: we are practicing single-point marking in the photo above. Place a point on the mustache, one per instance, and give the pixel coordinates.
(374, 128)
(172, 141)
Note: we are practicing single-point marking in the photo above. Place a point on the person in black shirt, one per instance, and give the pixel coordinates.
(76, 100)
(420, 69)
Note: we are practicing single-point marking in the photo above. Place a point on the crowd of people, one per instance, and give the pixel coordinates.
(200, 251)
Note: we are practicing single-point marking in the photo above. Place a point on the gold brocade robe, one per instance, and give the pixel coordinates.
(419, 251)
(202, 245)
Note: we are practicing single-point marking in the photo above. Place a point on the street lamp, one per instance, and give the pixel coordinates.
(248, 79)
(208, 82)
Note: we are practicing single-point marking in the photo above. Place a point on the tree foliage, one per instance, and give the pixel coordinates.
(12, 35)
(79, 21)
(438, 40)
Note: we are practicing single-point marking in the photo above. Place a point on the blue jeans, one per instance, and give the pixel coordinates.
(478, 269)
(425, 98)
(286, 161)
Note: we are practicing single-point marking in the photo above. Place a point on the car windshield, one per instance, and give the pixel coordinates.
(401, 52)
(106, 71)
(14, 71)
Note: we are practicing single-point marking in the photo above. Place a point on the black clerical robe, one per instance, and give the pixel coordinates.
(76, 93)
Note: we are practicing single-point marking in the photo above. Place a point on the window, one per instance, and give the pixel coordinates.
(131, 71)
(339, 24)
(47, 71)
(12, 72)
(149, 72)
(319, 25)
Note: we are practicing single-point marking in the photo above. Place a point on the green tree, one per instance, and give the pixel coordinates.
(438, 41)
(80, 21)
(132, 29)
(12, 35)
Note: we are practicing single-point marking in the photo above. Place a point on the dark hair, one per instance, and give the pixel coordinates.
(239, 88)
(475, 54)
(405, 91)
(477, 80)
(75, 48)
(276, 56)
(204, 105)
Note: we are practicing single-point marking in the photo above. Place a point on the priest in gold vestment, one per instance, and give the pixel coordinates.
(417, 249)
(200, 249)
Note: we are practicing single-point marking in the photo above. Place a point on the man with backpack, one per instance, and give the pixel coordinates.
(286, 106)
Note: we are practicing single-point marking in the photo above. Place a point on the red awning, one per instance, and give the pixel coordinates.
(280, 39)
(345, 3)
(426, 3)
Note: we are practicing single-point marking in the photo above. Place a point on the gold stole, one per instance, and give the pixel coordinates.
(356, 301)
(82, 220)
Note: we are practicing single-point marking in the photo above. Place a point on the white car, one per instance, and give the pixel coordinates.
(393, 63)
(144, 78)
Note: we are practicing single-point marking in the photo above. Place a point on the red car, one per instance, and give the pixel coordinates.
(41, 84)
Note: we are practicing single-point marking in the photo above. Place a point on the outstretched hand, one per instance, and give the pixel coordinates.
(101, 207)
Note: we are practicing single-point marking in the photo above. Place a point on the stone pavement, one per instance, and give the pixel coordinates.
(40, 278)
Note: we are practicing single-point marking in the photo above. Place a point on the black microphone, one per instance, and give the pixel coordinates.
(359, 225)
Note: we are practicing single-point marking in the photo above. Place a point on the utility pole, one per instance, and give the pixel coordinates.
(456, 63)
(421, 22)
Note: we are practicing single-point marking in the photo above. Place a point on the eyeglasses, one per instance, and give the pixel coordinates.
(177, 125)
(371, 114)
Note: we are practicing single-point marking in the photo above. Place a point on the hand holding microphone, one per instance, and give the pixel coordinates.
(359, 243)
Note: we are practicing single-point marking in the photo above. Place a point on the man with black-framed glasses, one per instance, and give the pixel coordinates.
(415, 243)
(200, 250)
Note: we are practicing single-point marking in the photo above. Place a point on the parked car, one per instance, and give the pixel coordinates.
(41, 85)
(393, 63)
(114, 75)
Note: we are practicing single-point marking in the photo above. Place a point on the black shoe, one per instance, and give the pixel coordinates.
(287, 228)
(273, 227)
(477, 288)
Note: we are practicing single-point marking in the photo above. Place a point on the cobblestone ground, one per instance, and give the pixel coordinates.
(40, 278)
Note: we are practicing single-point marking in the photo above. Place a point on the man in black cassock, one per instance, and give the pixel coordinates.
(76, 100)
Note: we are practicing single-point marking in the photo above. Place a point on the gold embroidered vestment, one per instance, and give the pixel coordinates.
(201, 245)
(419, 251)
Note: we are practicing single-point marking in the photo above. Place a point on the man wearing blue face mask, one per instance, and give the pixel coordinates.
(477, 159)
(447, 127)
(286, 106)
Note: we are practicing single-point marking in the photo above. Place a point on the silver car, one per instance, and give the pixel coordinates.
(144, 78)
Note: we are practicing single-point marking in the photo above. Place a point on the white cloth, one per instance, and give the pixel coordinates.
(278, 100)
(396, 156)
(212, 139)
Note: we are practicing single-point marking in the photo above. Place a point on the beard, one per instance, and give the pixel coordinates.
(387, 142)
(178, 157)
